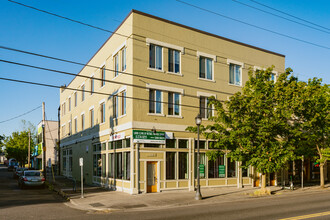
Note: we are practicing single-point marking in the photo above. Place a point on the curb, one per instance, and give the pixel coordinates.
(57, 190)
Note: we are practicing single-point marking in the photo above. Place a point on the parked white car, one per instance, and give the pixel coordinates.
(31, 178)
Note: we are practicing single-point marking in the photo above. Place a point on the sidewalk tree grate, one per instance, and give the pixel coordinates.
(96, 204)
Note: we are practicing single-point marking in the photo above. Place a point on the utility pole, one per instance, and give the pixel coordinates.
(44, 139)
(29, 151)
(59, 141)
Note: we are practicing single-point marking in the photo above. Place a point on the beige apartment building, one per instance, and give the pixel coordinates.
(126, 112)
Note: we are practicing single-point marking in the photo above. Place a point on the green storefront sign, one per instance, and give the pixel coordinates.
(202, 170)
(222, 171)
(150, 137)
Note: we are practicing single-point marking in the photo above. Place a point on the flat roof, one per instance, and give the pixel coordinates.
(181, 25)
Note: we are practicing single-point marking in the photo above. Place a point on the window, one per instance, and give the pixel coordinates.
(91, 114)
(103, 146)
(97, 165)
(204, 109)
(102, 111)
(127, 166)
(115, 106)
(111, 161)
(273, 77)
(151, 145)
(69, 104)
(82, 121)
(64, 105)
(170, 165)
(173, 61)
(202, 162)
(75, 126)
(102, 76)
(116, 64)
(183, 143)
(104, 165)
(245, 171)
(123, 59)
(82, 93)
(205, 68)
(70, 128)
(123, 103)
(173, 103)
(170, 143)
(231, 172)
(234, 74)
(183, 165)
(75, 99)
(155, 99)
(119, 167)
(201, 144)
(63, 130)
(216, 168)
(92, 85)
(155, 57)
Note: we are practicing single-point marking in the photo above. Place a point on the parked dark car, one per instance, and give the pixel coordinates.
(31, 178)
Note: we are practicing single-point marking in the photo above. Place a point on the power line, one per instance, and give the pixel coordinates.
(100, 93)
(21, 115)
(252, 25)
(88, 77)
(267, 12)
(290, 15)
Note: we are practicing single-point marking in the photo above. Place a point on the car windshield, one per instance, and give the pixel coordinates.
(32, 173)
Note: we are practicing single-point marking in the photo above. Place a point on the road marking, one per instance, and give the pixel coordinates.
(307, 216)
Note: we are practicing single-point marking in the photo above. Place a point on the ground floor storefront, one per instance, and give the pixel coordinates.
(144, 161)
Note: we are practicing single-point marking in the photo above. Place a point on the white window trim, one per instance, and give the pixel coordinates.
(82, 113)
(211, 56)
(90, 108)
(205, 94)
(102, 101)
(180, 70)
(154, 69)
(162, 105)
(176, 116)
(118, 49)
(103, 64)
(164, 88)
(229, 61)
(166, 45)
(255, 68)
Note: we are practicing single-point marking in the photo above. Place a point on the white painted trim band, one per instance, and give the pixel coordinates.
(229, 61)
(166, 88)
(205, 94)
(214, 57)
(163, 44)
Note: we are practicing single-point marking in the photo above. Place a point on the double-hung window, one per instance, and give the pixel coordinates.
(173, 61)
(75, 99)
(123, 103)
(102, 111)
(75, 126)
(173, 103)
(155, 101)
(155, 57)
(116, 64)
(205, 68)
(92, 85)
(82, 122)
(115, 106)
(235, 74)
(82, 93)
(102, 76)
(123, 59)
(69, 104)
(91, 114)
(204, 110)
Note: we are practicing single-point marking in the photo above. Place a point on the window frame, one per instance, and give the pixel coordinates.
(103, 73)
(102, 112)
(205, 64)
(173, 61)
(116, 64)
(123, 59)
(156, 102)
(172, 94)
(82, 92)
(155, 58)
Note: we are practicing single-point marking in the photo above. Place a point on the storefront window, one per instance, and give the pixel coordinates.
(127, 165)
(202, 163)
(104, 164)
(119, 172)
(152, 145)
(96, 147)
(217, 168)
(111, 160)
(231, 168)
(170, 165)
(183, 143)
(170, 143)
(201, 144)
(127, 143)
(245, 171)
(103, 146)
(183, 165)
(97, 165)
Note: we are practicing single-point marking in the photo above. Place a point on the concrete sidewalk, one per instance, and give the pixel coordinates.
(100, 199)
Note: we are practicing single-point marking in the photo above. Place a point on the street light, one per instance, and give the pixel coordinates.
(198, 195)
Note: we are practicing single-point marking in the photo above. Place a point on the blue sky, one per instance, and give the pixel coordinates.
(29, 30)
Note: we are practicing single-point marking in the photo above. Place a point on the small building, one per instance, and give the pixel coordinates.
(127, 116)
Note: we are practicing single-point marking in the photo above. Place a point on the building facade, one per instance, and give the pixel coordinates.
(127, 111)
(51, 137)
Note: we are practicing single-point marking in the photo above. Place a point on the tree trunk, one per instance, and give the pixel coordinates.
(263, 182)
(322, 175)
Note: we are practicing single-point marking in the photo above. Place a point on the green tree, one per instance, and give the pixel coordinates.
(250, 125)
(313, 114)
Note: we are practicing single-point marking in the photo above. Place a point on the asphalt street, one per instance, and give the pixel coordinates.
(40, 203)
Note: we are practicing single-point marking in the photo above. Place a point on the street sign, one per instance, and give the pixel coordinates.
(148, 137)
(202, 170)
(222, 170)
(81, 161)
